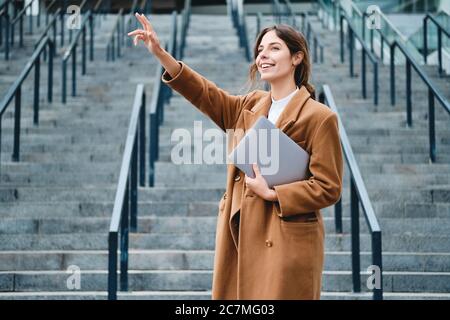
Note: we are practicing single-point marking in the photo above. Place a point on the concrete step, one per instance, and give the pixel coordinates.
(203, 224)
(201, 295)
(202, 260)
(25, 194)
(199, 280)
(204, 241)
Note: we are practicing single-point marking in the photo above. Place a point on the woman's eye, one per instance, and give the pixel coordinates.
(275, 48)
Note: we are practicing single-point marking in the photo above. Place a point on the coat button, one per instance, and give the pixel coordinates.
(237, 178)
(268, 243)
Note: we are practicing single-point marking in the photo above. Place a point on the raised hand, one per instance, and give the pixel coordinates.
(147, 35)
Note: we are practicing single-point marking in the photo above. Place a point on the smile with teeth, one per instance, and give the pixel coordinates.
(266, 65)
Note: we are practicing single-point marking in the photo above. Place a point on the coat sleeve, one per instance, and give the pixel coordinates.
(220, 106)
(324, 187)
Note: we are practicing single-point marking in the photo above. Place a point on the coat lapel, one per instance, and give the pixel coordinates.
(287, 117)
(285, 121)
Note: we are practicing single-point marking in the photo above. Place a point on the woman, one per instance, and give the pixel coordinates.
(269, 242)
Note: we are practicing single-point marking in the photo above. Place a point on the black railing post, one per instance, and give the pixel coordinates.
(375, 83)
(321, 54)
(83, 51)
(431, 125)
(338, 216)
(7, 35)
(441, 71)
(30, 27)
(408, 93)
(371, 41)
(363, 27)
(21, 32)
(112, 265)
(37, 70)
(142, 131)
(425, 40)
(392, 71)
(62, 26)
(153, 123)
(124, 232)
(315, 49)
(134, 186)
(356, 268)
(118, 39)
(91, 38)
(74, 71)
(39, 15)
(350, 49)
(113, 48)
(54, 36)
(377, 260)
(1, 29)
(16, 148)
(64, 80)
(363, 78)
(51, 52)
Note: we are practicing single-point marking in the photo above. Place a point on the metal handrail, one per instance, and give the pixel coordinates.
(185, 21)
(71, 52)
(352, 34)
(96, 8)
(337, 6)
(5, 16)
(358, 196)
(15, 92)
(19, 17)
(116, 33)
(47, 10)
(316, 42)
(125, 203)
(126, 194)
(50, 24)
(441, 30)
(433, 93)
(129, 19)
(306, 27)
(238, 17)
(4, 4)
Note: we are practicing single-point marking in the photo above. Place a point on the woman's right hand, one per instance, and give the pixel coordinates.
(147, 35)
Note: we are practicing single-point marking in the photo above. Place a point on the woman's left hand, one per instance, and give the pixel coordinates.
(259, 185)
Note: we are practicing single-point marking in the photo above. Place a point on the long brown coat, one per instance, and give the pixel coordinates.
(264, 250)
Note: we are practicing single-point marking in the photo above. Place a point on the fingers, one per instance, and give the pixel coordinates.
(138, 17)
(256, 169)
(137, 38)
(144, 21)
(136, 32)
(147, 23)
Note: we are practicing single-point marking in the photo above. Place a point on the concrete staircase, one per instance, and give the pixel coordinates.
(57, 202)
(411, 196)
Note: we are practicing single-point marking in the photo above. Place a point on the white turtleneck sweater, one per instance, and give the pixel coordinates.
(278, 106)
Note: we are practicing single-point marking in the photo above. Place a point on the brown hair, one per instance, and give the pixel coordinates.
(296, 42)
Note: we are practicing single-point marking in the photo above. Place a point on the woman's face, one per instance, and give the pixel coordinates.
(274, 60)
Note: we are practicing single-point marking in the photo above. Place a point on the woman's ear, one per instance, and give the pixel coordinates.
(297, 58)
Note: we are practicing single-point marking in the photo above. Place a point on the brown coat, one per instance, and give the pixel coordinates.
(264, 250)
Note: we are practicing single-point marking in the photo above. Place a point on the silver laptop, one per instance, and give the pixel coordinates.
(279, 158)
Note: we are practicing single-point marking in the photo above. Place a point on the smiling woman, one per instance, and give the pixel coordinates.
(281, 54)
(269, 242)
